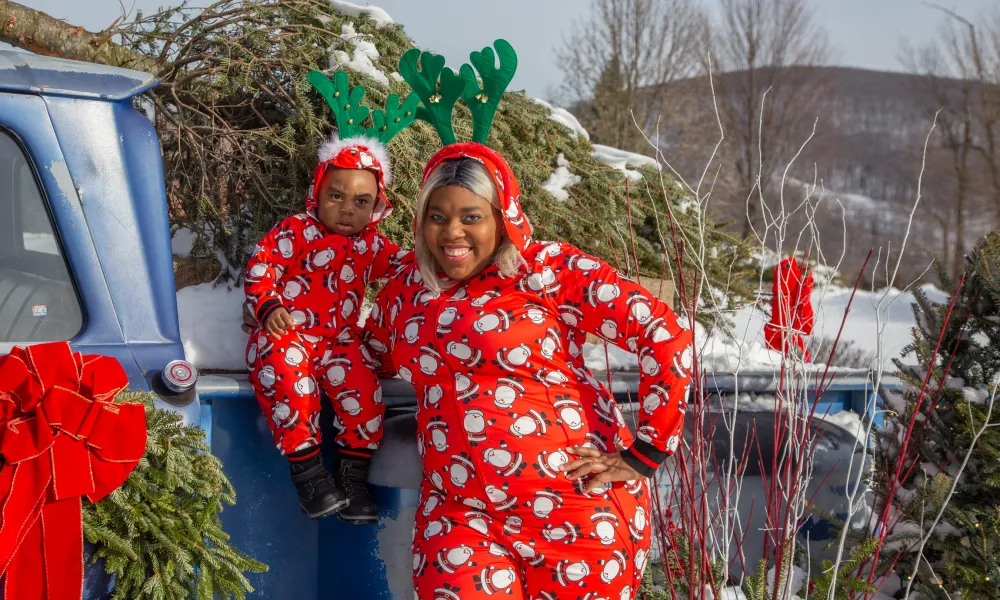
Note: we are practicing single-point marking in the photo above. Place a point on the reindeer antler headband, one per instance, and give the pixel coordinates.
(439, 87)
(349, 113)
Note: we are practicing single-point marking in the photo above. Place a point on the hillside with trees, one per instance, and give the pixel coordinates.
(849, 141)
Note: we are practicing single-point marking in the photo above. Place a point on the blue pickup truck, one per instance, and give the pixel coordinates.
(85, 256)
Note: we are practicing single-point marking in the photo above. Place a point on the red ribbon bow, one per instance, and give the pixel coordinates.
(791, 308)
(61, 438)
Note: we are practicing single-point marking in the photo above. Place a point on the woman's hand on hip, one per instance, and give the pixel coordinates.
(603, 467)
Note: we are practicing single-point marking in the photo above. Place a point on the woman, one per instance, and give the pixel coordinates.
(533, 487)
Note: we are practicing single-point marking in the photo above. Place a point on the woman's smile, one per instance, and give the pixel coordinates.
(456, 254)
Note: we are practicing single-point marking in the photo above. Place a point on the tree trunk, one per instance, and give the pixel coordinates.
(962, 174)
(994, 164)
(33, 30)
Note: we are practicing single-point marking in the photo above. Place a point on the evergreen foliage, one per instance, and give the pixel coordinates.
(607, 117)
(848, 585)
(681, 551)
(964, 550)
(160, 534)
(240, 126)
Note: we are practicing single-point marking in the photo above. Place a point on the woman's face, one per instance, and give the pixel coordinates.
(462, 231)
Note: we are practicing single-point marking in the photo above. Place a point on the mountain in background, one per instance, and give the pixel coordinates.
(871, 127)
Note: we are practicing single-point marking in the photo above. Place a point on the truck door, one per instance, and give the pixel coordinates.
(51, 283)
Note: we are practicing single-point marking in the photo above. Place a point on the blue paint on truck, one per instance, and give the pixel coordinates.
(94, 162)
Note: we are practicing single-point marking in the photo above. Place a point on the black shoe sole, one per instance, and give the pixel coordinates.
(326, 513)
(357, 520)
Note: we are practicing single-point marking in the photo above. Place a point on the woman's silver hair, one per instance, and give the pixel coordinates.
(470, 174)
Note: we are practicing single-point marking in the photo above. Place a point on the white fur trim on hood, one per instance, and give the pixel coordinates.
(328, 150)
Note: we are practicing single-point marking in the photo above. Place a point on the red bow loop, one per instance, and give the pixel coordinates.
(18, 385)
(62, 439)
(54, 366)
(102, 378)
(791, 308)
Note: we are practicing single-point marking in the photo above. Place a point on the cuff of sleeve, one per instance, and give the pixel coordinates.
(643, 457)
(266, 308)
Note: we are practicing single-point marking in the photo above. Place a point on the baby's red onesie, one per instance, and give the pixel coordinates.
(320, 278)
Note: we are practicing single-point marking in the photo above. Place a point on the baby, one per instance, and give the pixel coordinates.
(305, 284)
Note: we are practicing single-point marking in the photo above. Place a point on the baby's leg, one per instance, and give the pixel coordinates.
(357, 403)
(286, 390)
(356, 395)
(288, 395)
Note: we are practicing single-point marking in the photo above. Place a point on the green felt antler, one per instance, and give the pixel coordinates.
(344, 101)
(396, 117)
(483, 101)
(437, 86)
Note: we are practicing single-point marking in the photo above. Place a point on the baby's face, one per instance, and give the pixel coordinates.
(346, 200)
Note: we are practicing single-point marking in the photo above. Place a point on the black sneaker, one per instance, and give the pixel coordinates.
(351, 476)
(318, 496)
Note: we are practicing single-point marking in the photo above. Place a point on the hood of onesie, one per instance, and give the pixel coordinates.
(363, 153)
(516, 223)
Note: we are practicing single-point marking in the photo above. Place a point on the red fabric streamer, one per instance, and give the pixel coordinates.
(791, 308)
(61, 438)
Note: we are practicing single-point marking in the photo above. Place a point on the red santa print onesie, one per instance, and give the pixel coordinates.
(503, 392)
(320, 278)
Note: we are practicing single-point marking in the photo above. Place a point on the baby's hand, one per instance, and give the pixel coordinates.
(279, 322)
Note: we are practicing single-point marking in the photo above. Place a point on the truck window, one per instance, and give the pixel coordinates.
(38, 301)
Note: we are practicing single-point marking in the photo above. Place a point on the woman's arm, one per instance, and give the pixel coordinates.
(377, 333)
(593, 297)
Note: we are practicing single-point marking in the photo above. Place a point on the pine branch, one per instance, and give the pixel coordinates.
(164, 521)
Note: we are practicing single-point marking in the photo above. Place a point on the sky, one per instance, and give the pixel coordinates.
(865, 33)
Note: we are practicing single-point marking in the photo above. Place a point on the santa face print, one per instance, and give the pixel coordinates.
(462, 231)
(346, 200)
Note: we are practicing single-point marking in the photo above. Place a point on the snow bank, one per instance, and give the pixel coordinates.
(210, 318)
(362, 59)
(565, 118)
(822, 274)
(561, 179)
(729, 593)
(889, 310)
(797, 577)
(182, 241)
(599, 357)
(858, 203)
(850, 422)
(622, 160)
(375, 13)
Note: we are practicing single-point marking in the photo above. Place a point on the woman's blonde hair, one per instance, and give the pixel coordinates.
(471, 175)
